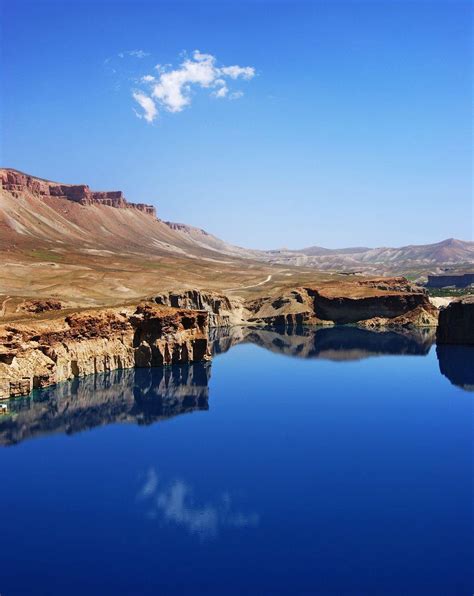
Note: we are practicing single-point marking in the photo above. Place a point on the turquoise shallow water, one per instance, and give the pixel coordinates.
(330, 462)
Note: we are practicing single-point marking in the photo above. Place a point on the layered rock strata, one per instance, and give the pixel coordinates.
(379, 302)
(42, 353)
(456, 322)
(17, 183)
(223, 311)
(174, 329)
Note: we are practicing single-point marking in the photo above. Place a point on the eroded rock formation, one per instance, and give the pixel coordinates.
(456, 322)
(223, 311)
(174, 329)
(17, 183)
(375, 302)
(45, 352)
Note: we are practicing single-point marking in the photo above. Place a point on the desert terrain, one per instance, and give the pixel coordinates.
(86, 248)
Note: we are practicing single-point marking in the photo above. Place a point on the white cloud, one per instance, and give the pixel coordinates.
(147, 104)
(222, 92)
(134, 54)
(234, 72)
(172, 88)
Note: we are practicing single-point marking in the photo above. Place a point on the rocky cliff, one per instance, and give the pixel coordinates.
(223, 310)
(17, 183)
(456, 322)
(174, 329)
(379, 302)
(45, 352)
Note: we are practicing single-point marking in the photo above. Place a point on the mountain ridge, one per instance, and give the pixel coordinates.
(450, 251)
(87, 252)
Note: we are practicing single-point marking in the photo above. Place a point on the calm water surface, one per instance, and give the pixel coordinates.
(338, 462)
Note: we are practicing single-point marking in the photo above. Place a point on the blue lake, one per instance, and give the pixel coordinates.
(335, 462)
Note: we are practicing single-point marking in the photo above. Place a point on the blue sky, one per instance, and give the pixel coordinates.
(353, 129)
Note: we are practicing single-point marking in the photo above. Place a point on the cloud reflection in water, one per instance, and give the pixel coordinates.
(175, 503)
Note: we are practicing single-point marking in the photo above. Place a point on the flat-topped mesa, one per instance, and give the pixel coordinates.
(16, 183)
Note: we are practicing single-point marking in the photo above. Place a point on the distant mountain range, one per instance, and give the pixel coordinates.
(450, 254)
(94, 246)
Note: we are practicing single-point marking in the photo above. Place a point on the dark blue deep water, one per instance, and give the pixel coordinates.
(336, 462)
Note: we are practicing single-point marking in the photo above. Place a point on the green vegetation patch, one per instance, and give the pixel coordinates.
(45, 255)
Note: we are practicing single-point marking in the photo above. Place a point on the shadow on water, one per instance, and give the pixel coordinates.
(145, 396)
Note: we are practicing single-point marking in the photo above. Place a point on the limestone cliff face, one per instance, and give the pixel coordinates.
(175, 328)
(223, 311)
(376, 303)
(16, 183)
(43, 353)
(456, 322)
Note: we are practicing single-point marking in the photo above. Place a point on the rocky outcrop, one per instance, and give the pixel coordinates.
(17, 183)
(46, 352)
(38, 306)
(137, 396)
(378, 302)
(374, 302)
(365, 302)
(456, 322)
(223, 311)
(174, 328)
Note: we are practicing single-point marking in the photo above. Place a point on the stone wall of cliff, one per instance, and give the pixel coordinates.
(456, 322)
(375, 302)
(175, 328)
(42, 353)
(16, 183)
(223, 311)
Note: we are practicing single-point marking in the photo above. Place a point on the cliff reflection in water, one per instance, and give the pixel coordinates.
(345, 343)
(333, 343)
(140, 396)
(145, 396)
(457, 364)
